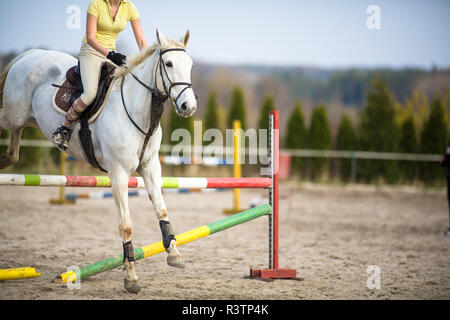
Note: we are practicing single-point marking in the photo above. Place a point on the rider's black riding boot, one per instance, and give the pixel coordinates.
(62, 136)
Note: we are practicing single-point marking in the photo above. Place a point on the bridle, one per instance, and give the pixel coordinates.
(158, 98)
(167, 88)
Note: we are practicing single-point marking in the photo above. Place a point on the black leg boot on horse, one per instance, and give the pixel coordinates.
(128, 258)
(62, 134)
(169, 242)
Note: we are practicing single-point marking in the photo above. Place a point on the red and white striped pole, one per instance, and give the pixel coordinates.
(273, 272)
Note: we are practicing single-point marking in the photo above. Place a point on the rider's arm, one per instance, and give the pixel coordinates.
(139, 33)
(91, 31)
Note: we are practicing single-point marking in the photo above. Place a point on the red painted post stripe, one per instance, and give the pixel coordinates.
(133, 182)
(90, 181)
(81, 181)
(239, 182)
(86, 181)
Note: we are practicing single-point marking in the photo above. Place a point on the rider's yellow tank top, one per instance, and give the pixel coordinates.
(107, 29)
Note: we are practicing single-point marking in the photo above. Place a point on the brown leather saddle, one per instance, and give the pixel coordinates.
(72, 88)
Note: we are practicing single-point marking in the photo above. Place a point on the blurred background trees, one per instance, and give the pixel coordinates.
(238, 110)
(433, 139)
(319, 138)
(378, 132)
(345, 141)
(408, 144)
(296, 136)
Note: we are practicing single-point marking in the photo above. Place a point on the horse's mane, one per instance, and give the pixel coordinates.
(136, 59)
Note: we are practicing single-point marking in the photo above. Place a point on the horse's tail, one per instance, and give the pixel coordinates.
(5, 74)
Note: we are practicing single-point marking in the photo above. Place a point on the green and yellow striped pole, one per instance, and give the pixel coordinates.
(155, 248)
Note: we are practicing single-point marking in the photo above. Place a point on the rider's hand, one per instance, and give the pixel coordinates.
(118, 58)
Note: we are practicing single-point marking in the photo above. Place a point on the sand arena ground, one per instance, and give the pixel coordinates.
(330, 234)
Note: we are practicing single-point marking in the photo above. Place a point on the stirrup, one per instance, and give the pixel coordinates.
(61, 137)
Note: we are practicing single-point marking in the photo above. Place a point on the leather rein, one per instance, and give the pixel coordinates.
(158, 98)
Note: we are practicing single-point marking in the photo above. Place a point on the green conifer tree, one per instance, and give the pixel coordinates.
(177, 122)
(267, 106)
(408, 144)
(237, 109)
(296, 134)
(433, 140)
(319, 139)
(378, 132)
(346, 140)
(211, 119)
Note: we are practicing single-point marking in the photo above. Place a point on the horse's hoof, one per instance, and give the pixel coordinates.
(5, 161)
(131, 286)
(175, 261)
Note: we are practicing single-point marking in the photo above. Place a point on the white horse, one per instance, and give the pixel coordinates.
(26, 100)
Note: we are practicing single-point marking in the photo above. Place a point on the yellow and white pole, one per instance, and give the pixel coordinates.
(237, 160)
(62, 199)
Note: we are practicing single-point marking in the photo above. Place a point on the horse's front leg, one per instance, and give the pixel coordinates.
(119, 186)
(151, 173)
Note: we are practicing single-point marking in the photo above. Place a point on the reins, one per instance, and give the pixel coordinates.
(158, 98)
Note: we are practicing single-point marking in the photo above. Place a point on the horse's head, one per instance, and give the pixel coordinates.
(175, 72)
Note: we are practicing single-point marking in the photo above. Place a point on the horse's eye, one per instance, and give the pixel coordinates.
(169, 64)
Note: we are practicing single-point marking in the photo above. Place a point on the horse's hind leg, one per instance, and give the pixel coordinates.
(12, 156)
(151, 173)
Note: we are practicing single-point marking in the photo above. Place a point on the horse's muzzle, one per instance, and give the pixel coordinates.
(186, 109)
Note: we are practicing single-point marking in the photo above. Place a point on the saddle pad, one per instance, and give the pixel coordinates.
(61, 98)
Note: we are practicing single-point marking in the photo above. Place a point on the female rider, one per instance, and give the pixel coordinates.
(105, 19)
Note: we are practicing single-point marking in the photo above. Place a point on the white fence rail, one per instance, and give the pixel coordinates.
(304, 153)
(363, 155)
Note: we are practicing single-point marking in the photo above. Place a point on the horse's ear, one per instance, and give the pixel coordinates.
(185, 39)
(161, 38)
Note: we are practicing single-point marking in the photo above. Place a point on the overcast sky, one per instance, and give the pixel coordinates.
(279, 32)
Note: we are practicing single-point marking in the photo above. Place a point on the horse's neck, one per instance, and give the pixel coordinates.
(137, 97)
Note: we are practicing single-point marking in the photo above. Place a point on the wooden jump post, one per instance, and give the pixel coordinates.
(273, 272)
